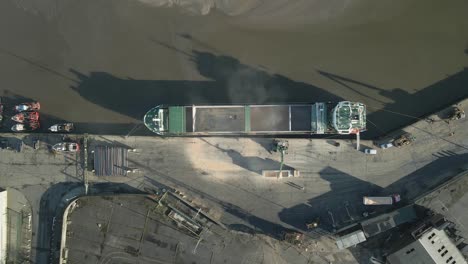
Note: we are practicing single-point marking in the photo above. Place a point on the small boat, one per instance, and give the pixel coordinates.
(25, 117)
(66, 147)
(65, 127)
(25, 127)
(32, 106)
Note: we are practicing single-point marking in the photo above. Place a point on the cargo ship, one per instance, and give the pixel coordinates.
(294, 119)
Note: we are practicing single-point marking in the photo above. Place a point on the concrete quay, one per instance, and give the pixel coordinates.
(224, 175)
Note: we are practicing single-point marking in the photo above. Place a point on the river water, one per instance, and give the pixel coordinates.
(102, 64)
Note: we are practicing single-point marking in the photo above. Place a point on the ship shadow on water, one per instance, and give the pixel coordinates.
(229, 82)
(406, 108)
(232, 82)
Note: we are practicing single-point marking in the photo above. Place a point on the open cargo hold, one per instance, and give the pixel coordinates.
(317, 118)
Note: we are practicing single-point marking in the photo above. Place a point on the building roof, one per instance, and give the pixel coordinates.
(450, 200)
(3, 225)
(351, 239)
(433, 246)
(384, 222)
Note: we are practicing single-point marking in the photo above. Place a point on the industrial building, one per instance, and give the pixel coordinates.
(433, 247)
(15, 227)
(3, 226)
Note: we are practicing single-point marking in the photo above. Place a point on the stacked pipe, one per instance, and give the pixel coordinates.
(110, 161)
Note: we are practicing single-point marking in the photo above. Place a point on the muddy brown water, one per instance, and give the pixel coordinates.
(103, 64)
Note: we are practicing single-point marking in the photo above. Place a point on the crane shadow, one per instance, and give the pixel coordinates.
(406, 108)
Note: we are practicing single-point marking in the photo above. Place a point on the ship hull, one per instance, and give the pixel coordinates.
(292, 119)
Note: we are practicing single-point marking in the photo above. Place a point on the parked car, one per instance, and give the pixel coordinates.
(370, 151)
(386, 145)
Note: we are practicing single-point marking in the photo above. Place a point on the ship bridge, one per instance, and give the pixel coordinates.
(349, 117)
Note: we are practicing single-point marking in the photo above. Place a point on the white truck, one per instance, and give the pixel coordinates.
(381, 200)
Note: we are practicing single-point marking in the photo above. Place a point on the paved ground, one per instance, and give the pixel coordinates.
(224, 174)
(103, 64)
(129, 229)
(450, 200)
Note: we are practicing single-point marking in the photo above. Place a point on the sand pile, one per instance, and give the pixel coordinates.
(287, 14)
(203, 7)
(280, 11)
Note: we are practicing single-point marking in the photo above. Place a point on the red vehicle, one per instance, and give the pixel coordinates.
(32, 106)
(26, 117)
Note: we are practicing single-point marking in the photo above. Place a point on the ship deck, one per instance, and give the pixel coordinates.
(248, 119)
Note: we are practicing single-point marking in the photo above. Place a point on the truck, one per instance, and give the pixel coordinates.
(456, 114)
(381, 200)
(405, 139)
(282, 119)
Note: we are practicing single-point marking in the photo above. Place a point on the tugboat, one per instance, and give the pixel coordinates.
(66, 147)
(25, 117)
(28, 127)
(65, 127)
(31, 106)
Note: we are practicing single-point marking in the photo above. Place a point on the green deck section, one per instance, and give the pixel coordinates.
(177, 119)
(247, 118)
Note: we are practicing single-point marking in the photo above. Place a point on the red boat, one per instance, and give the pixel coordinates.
(28, 127)
(25, 117)
(32, 106)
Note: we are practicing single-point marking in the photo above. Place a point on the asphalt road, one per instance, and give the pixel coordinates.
(103, 64)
